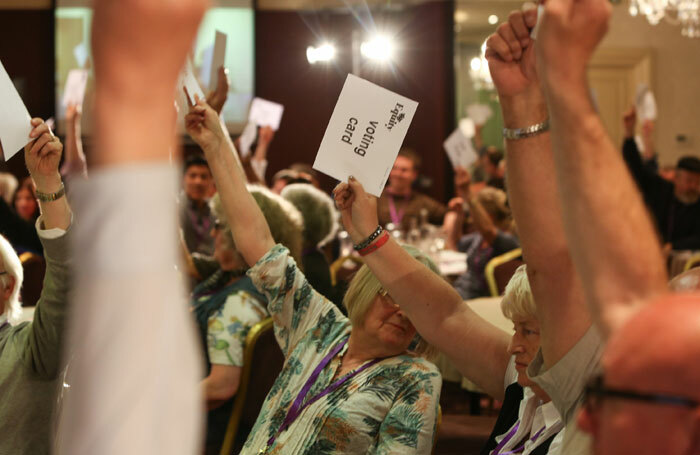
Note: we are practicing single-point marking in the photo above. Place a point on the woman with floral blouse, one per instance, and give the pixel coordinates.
(350, 385)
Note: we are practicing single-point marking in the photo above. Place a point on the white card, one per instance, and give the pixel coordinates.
(540, 12)
(218, 59)
(74, 92)
(460, 150)
(80, 52)
(364, 134)
(266, 113)
(189, 80)
(250, 132)
(15, 121)
(205, 69)
(479, 113)
(645, 103)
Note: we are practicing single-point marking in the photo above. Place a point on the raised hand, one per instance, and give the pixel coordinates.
(511, 56)
(42, 157)
(357, 208)
(463, 183)
(569, 34)
(203, 125)
(217, 98)
(629, 120)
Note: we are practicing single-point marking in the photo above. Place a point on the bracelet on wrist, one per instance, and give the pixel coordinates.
(370, 239)
(514, 134)
(375, 246)
(50, 197)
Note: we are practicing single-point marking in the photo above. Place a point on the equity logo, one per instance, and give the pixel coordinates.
(397, 115)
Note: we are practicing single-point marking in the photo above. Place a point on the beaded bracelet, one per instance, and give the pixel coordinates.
(369, 239)
(375, 246)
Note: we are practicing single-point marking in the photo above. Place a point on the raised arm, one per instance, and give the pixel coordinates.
(477, 348)
(532, 189)
(250, 230)
(482, 221)
(612, 241)
(75, 163)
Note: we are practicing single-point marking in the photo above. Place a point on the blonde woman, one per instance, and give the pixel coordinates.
(349, 385)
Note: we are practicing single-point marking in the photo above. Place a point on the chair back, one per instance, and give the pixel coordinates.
(340, 273)
(34, 267)
(263, 361)
(500, 269)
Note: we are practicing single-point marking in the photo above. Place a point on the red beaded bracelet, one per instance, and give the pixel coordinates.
(375, 246)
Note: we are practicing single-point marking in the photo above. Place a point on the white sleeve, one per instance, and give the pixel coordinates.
(511, 373)
(134, 364)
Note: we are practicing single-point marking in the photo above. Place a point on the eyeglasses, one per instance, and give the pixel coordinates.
(3, 273)
(384, 294)
(596, 390)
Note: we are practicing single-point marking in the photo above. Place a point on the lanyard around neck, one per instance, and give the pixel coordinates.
(509, 436)
(396, 216)
(299, 405)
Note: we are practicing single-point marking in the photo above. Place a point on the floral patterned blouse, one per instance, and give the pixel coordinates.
(390, 407)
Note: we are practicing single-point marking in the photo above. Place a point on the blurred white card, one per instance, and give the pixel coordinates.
(205, 70)
(189, 81)
(479, 113)
(80, 52)
(250, 132)
(74, 92)
(364, 134)
(15, 121)
(266, 113)
(460, 150)
(645, 103)
(218, 59)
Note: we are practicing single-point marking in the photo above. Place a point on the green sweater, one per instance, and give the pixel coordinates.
(30, 362)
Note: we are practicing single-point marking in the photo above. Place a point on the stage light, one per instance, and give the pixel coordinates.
(493, 19)
(379, 48)
(323, 53)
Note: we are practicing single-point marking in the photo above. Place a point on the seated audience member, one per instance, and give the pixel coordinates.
(30, 352)
(645, 400)
(348, 386)
(19, 232)
(675, 206)
(493, 168)
(320, 227)
(307, 171)
(287, 177)
(227, 305)
(491, 218)
(24, 201)
(528, 422)
(195, 215)
(399, 202)
(479, 350)
(8, 186)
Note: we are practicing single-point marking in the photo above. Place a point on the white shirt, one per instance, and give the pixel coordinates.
(533, 416)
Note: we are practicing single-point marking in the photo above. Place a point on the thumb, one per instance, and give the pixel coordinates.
(356, 187)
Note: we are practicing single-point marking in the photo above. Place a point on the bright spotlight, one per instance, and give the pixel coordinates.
(379, 48)
(475, 64)
(493, 19)
(323, 53)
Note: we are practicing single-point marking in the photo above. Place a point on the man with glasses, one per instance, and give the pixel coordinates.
(30, 353)
(646, 401)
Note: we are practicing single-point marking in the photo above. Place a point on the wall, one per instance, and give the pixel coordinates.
(675, 80)
(423, 72)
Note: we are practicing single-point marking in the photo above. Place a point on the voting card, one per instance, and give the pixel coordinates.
(364, 134)
(189, 81)
(266, 113)
(218, 59)
(15, 121)
(250, 132)
(460, 150)
(74, 92)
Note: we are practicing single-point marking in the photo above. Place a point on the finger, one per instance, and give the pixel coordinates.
(187, 96)
(517, 23)
(39, 128)
(497, 47)
(52, 148)
(530, 15)
(506, 32)
(39, 143)
(357, 189)
(36, 121)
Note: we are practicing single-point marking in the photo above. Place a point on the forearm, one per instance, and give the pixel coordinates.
(453, 228)
(482, 221)
(54, 214)
(74, 156)
(248, 225)
(605, 229)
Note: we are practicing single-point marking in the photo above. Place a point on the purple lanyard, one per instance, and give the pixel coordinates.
(396, 217)
(511, 433)
(298, 405)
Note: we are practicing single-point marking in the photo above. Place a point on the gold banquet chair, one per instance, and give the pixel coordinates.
(337, 268)
(500, 269)
(263, 361)
(693, 261)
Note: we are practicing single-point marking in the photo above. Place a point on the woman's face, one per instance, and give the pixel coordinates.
(388, 324)
(25, 204)
(524, 345)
